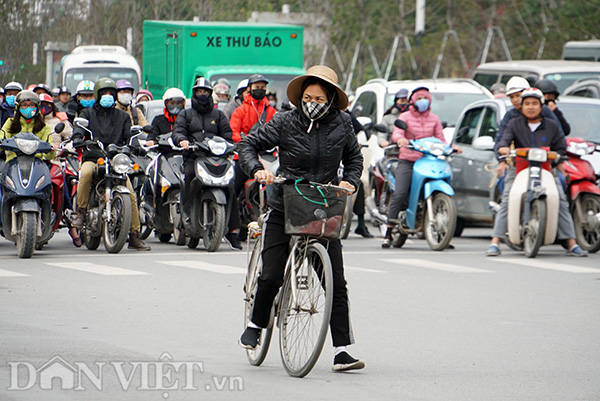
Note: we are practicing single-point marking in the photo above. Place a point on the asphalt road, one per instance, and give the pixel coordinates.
(159, 325)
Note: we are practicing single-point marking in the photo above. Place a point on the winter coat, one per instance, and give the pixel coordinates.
(108, 125)
(74, 108)
(314, 155)
(420, 125)
(161, 125)
(546, 135)
(52, 121)
(245, 116)
(388, 120)
(139, 116)
(5, 113)
(44, 135)
(232, 106)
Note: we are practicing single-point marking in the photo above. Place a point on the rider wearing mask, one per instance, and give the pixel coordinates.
(125, 103)
(64, 94)
(550, 91)
(400, 106)
(272, 97)
(109, 125)
(241, 92)
(194, 125)
(222, 95)
(421, 123)
(533, 129)
(7, 109)
(83, 98)
(174, 101)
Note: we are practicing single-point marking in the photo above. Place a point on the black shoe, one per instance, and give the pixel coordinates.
(234, 241)
(363, 231)
(249, 338)
(387, 242)
(343, 361)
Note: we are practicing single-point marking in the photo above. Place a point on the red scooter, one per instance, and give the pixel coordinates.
(583, 193)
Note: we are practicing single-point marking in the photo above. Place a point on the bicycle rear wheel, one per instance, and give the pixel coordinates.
(256, 356)
(304, 321)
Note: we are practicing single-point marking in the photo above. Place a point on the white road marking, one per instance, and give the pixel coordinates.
(435, 265)
(7, 273)
(362, 269)
(542, 264)
(97, 269)
(209, 267)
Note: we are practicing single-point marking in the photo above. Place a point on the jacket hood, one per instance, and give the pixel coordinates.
(413, 98)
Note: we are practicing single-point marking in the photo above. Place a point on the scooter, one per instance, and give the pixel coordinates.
(138, 176)
(26, 193)
(210, 192)
(431, 207)
(583, 194)
(382, 183)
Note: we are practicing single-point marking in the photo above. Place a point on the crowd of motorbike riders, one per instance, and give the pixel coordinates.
(167, 157)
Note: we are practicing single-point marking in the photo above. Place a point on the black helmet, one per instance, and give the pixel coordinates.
(105, 83)
(64, 89)
(257, 78)
(27, 95)
(547, 86)
(202, 83)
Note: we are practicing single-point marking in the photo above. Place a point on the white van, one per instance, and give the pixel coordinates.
(94, 62)
(562, 72)
(582, 50)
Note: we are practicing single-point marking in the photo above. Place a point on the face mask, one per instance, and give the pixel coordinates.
(87, 103)
(107, 101)
(125, 99)
(173, 110)
(258, 94)
(10, 100)
(45, 110)
(273, 103)
(28, 112)
(202, 99)
(422, 105)
(314, 110)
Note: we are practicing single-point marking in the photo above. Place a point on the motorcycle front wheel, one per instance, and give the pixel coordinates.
(440, 230)
(116, 230)
(214, 226)
(178, 232)
(587, 232)
(27, 224)
(535, 230)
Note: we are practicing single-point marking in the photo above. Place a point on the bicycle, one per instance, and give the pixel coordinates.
(302, 308)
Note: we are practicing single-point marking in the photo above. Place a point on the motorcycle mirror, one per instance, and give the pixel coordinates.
(401, 124)
(60, 127)
(148, 129)
(82, 122)
(381, 128)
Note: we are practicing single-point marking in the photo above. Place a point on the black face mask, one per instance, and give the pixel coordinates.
(258, 94)
(203, 104)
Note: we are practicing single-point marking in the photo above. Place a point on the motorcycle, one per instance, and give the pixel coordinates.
(431, 208)
(382, 183)
(26, 193)
(583, 194)
(138, 177)
(160, 194)
(109, 210)
(210, 191)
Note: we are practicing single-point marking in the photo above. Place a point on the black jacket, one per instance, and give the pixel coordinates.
(108, 125)
(195, 126)
(161, 126)
(546, 135)
(314, 155)
(74, 108)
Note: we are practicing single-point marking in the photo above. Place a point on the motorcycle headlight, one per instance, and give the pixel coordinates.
(10, 182)
(40, 182)
(217, 148)
(27, 146)
(203, 174)
(121, 163)
(537, 155)
(437, 149)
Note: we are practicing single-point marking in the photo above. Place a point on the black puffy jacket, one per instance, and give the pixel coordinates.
(108, 125)
(314, 155)
(194, 126)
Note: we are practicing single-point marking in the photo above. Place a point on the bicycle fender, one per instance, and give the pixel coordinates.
(437, 186)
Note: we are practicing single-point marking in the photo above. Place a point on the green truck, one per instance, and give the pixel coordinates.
(177, 52)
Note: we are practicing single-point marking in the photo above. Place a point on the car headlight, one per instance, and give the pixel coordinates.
(27, 146)
(537, 155)
(217, 148)
(121, 163)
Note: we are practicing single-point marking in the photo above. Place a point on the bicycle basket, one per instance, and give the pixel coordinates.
(314, 211)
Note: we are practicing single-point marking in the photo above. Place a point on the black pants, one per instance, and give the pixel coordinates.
(275, 254)
(399, 202)
(190, 174)
(359, 203)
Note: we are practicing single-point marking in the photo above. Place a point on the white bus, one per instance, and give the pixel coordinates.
(588, 50)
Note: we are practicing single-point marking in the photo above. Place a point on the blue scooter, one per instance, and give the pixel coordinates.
(431, 207)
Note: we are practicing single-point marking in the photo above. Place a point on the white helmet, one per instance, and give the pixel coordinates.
(173, 93)
(242, 86)
(13, 86)
(532, 92)
(516, 84)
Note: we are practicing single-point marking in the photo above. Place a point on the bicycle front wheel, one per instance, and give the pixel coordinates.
(304, 318)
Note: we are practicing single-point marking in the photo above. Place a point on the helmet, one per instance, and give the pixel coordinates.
(532, 92)
(221, 89)
(416, 90)
(516, 84)
(105, 83)
(225, 82)
(1, 91)
(55, 91)
(242, 86)
(202, 83)
(44, 97)
(31, 87)
(401, 94)
(124, 84)
(27, 95)
(85, 88)
(547, 86)
(257, 78)
(43, 87)
(142, 93)
(173, 93)
(13, 86)
(64, 89)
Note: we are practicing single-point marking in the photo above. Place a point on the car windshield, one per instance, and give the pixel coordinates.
(277, 83)
(564, 80)
(76, 75)
(447, 106)
(584, 120)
